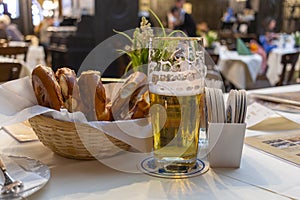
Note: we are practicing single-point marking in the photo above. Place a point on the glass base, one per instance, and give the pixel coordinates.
(149, 167)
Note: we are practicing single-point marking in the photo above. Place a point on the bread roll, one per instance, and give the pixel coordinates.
(93, 96)
(69, 88)
(103, 111)
(127, 96)
(141, 107)
(46, 88)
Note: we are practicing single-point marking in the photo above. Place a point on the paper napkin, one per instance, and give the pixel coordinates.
(242, 49)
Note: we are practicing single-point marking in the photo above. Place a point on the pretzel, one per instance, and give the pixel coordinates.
(127, 95)
(46, 88)
(93, 96)
(69, 88)
(88, 94)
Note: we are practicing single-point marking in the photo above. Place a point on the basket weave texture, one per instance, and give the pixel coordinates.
(77, 141)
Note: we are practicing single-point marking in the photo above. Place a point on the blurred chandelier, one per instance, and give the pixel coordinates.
(48, 5)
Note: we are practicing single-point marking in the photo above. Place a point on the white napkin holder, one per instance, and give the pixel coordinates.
(226, 142)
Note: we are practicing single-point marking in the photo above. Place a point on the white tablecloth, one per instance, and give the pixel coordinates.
(240, 70)
(260, 176)
(274, 63)
(35, 56)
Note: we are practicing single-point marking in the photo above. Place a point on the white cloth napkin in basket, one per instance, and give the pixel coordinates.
(18, 103)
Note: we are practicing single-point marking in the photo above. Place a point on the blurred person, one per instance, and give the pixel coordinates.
(41, 30)
(188, 26)
(179, 4)
(256, 48)
(12, 31)
(3, 34)
(268, 35)
(202, 29)
(187, 23)
(228, 19)
(173, 17)
(43, 34)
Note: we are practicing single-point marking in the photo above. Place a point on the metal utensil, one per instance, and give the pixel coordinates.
(10, 185)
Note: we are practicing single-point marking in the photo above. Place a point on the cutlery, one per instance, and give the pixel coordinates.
(10, 185)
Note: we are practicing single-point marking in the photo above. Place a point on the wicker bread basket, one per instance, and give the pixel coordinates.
(77, 141)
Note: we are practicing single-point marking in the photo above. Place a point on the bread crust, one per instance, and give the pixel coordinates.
(103, 111)
(87, 94)
(141, 107)
(69, 88)
(46, 88)
(93, 96)
(128, 94)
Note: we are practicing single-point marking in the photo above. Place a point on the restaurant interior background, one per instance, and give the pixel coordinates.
(79, 25)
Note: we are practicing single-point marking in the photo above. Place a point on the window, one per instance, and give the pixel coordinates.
(13, 8)
(37, 15)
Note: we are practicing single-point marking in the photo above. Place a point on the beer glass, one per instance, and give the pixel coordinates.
(176, 73)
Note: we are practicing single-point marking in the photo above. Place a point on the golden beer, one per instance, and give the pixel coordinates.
(175, 125)
(176, 74)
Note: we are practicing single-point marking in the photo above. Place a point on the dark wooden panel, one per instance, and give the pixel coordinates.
(270, 8)
(210, 11)
(114, 14)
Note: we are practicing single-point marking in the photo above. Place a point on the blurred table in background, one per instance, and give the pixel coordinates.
(35, 55)
(274, 63)
(240, 70)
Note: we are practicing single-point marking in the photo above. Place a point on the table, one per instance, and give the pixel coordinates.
(260, 176)
(274, 63)
(35, 54)
(240, 70)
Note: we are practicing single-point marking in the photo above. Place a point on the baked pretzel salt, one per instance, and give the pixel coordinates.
(46, 88)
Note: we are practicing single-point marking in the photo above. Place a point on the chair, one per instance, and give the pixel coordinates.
(286, 59)
(12, 52)
(9, 71)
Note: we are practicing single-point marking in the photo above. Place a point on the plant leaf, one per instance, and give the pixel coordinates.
(124, 34)
(128, 66)
(177, 31)
(158, 20)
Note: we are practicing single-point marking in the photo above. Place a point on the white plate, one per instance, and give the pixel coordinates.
(36, 172)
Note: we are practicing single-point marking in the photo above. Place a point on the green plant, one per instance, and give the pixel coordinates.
(211, 37)
(138, 50)
(297, 38)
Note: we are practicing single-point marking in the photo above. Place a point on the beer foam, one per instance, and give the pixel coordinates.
(176, 83)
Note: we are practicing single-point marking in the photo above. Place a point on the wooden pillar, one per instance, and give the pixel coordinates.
(25, 20)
